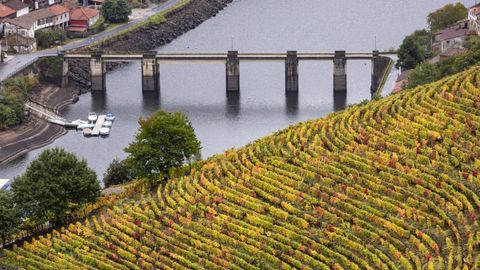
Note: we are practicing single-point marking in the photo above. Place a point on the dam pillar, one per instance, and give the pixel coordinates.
(233, 71)
(97, 72)
(376, 71)
(150, 72)
(291, 72)
(64, 71)
(340, 71)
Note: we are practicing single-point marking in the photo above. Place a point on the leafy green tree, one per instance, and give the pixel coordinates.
(423, 74)
(13, 94)
(54, 185)
(410, 53)
(9, 215)
(117, 173)
(446, 16)
(165, 140)
(116, 11)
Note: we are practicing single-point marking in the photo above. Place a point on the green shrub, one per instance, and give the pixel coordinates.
(48, 38)
(117, 173)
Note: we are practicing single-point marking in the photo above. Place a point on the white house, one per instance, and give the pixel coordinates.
(17, 5)
(452, 37)
(28, 24)
(54, 16)
(62, 15)
(474, 19)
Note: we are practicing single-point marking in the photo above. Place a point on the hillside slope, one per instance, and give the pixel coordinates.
(393, 184)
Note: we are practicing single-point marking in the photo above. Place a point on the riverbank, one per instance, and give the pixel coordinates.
(150, 36)
(37, 132)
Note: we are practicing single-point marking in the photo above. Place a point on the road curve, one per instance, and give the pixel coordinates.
(20, 61)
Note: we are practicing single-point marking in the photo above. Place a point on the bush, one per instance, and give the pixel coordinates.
(423, 74)
(117, 173)
(116, 11)
(54, 185)
(47, 38)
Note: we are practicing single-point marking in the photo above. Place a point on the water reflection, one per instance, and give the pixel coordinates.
(339, 101)
(291, 103)
(151, 101)
(99, 101)
(233, 105)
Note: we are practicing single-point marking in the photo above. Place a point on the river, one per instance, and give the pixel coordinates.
(198, 90)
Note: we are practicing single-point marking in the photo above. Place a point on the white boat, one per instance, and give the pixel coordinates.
(107, 124)
(110, 117)
(84, 126)
(92, 117)
(87, 132)
(104, 131)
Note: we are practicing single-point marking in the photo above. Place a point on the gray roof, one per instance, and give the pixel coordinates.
(26, 21)
(16, 4)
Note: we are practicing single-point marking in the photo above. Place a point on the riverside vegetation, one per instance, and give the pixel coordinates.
(391, 184)
(13, 95)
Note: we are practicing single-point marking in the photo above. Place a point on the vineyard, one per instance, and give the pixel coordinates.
(393, 184)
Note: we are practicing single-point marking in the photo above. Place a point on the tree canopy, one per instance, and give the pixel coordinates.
(446, 16)
(410, 53)
(165, 140)
(9, 215)
(116, 11)
(54, 185)
(117, 173)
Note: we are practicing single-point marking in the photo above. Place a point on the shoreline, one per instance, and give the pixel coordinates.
(37, 133)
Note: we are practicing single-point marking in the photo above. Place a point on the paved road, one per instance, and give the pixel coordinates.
(18, 62)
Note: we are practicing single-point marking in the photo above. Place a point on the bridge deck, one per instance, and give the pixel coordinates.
(219, 56)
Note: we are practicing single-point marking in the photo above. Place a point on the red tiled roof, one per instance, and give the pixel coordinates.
(58, 9)
(83, 14)
(5, 11)
(404, 75)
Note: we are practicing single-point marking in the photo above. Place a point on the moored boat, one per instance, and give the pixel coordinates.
(104, 131)
(87, 132)
(110, 117)
(92, 117)
(107, 124)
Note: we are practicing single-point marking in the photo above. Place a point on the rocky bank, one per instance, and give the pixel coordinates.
(151, 36)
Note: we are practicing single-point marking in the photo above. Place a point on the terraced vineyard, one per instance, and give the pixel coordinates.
(393, 184)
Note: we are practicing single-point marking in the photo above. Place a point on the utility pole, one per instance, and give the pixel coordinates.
(375, 43)
(233, 37)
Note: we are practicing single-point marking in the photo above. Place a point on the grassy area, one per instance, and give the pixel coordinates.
(390, 184)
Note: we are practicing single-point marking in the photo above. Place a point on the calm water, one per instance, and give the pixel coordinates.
(198, 90)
